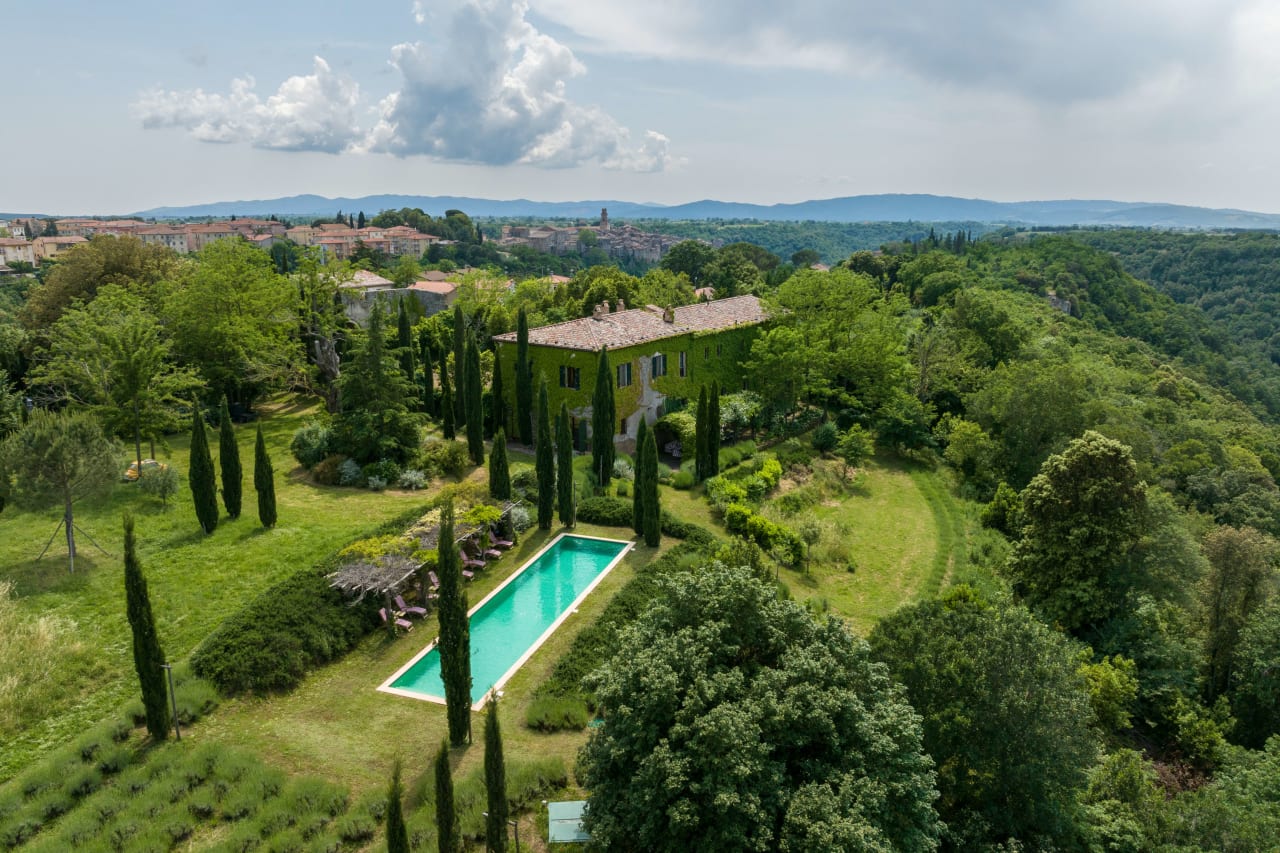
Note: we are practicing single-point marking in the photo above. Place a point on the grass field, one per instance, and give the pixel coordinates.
(64, 641)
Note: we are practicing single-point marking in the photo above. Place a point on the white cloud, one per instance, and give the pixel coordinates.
(489, 87)
(484, 86)
(313, 112)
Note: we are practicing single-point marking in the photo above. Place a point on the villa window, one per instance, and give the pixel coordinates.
(659, 365)
(570, 377)
(684, 364)
(624, 375)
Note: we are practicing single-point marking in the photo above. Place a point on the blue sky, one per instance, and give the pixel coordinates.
(112, 108)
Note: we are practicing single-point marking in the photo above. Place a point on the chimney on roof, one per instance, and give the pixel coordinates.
(622, 304)
(600, 310)
(669, 315)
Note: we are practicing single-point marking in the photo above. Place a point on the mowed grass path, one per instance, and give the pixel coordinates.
(195, 581)
(897, 526)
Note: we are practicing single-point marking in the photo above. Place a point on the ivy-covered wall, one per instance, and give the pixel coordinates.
(710, 357)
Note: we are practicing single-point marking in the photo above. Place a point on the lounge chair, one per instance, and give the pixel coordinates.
(469, 561)
(502, 543)
(400, 622)
(411, 610)
(435, 581)
(466, 573)
(492, 553)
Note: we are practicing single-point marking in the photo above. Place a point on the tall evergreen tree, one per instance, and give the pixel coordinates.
(447, 422)
(404, 342)
(637, 491)
(147, 654)
(428, 371)
(495, 782)
(564, 467)
(474, 404)
(448, 835)
(264, 482)
(455, 633)
(200, 477)
(603, 424)
(375, 422)
(544, 461)
(360, 220)
(524, 380)
(499, 399)
(397, 834)
(459, 365)
(700, 438)
(499, 471)
(652, 510)
(713, 430)
(229, 461)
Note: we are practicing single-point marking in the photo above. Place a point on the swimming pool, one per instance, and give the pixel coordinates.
(511, 622)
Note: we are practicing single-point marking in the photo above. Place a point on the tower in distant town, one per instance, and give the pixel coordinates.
(604, 219)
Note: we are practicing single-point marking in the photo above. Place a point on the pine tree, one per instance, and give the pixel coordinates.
(544, 461)
(448, 836)
(713, 430)
(264, 482)
(360, 220)
(446, 403)
(229, 461)
(459, 365)
(474, 405)
(204, 487)
(397, 834)
(700, 437)
(637, 491)
(524, 381)
(404, 341)
(602, 423)
(564, 467)
(499, 399)
(455, 633)
(147, 654)
(652, 510)
(495, 782)
(428, 371)
(499, 471)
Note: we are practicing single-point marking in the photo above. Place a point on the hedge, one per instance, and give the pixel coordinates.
(292, 627)
(615, 512)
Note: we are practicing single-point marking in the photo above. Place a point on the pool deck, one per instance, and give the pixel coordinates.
(386, 687)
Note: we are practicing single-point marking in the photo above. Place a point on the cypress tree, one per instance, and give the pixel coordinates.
(264, 482)
(448, 837)
(147, 654)
(474, 406)
(204, 487)
(229, 461)
(428, 369)
(499, 399)
(499, 471)
(397, 834)
(524, 381)
(713, 430)
(446, 403)
(637, 492)
(459, 365)
(652, 510)
(564, 467)
(602, 422)
(455, 633)
(544, 461)
(700, 438)
(495, 782)
(404, 342)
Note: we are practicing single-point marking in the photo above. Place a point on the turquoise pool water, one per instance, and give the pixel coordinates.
(518, 616)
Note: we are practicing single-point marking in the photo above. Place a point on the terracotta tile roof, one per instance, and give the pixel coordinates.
(364, 278)
(641, 325)
(444, 288)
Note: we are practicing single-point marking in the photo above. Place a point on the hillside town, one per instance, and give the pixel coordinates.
(621, 242)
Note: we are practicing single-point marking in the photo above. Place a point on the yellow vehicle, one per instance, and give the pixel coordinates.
(131, 473)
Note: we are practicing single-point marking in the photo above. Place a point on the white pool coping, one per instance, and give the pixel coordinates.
(385, 687)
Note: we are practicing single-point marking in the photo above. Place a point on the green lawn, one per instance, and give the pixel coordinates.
(195, 581)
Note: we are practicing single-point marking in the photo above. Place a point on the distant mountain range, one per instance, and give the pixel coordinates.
(861, 208)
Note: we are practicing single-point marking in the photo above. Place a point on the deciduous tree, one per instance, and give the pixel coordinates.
(738, 722)
(57, 460)
(1242, 576)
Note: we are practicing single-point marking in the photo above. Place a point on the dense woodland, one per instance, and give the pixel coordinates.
(1105, 673)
